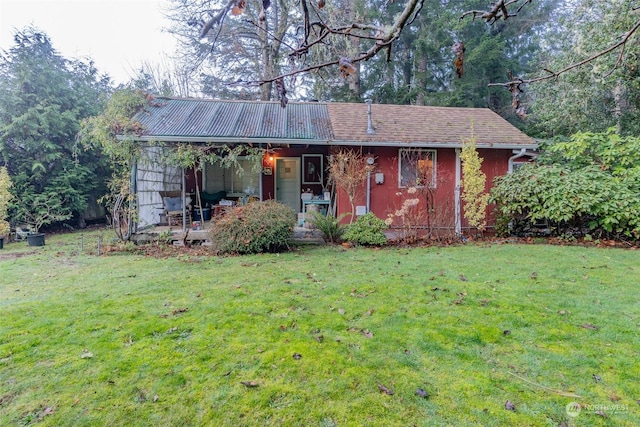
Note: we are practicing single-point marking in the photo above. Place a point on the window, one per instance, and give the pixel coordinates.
(416, 167)
(231, 179)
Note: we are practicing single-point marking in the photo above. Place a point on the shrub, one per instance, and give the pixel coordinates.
(588, 199)
(329, 225)
(366, 230)
(254, 228)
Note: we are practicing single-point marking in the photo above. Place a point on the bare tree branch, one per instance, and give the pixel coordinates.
(215, 19)
(383, 39)
(499, 10)
(555, 74)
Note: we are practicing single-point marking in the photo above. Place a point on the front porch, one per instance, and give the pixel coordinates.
(175, 235)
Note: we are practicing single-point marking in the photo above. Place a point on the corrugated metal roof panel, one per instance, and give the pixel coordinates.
(170, 117)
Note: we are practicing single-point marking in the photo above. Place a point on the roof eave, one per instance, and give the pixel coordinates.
(285, 141)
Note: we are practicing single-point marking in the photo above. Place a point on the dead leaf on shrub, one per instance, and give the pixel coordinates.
(385, 390)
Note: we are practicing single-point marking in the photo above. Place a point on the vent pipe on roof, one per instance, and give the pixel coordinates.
(370, 130)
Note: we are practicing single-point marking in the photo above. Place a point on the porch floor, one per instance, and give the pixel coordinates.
(201, 236)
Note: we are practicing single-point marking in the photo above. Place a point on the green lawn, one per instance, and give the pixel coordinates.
(319, 336)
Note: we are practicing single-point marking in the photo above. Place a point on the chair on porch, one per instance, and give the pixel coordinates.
(172, 203)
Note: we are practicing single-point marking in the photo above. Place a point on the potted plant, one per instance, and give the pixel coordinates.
(38, 210)
(5, 196)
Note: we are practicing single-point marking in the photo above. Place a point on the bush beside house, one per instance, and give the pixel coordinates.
(254, 228)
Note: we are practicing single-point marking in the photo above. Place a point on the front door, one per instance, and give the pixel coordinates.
(288, 182)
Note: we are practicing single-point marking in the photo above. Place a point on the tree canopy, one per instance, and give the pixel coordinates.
(43, 97)
(411, 51)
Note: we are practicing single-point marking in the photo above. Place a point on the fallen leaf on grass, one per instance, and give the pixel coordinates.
(319, 338)
(249, 384)
(86, 354)
(47, 411)
(460, 300)
(385, 390)
(601, 413)
(156, 398)
(180, 310)
(509, 406)
(367, 333)
(422, 393)
(589, 326)
(463, 278)
(172, 330)
(597, 378)
(297, 356)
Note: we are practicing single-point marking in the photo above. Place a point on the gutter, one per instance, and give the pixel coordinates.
(325, 142)
(518, 154)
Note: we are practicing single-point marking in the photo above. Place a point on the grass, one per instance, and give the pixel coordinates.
(314, 337)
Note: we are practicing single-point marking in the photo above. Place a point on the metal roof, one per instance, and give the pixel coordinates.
(313, 123)
(193, 119)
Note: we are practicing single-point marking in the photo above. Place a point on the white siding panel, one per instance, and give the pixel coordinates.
(151, 178)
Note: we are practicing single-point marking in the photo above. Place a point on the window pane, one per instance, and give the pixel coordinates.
(417, 168)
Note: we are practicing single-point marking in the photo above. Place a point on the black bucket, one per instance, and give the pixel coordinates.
(206, 214)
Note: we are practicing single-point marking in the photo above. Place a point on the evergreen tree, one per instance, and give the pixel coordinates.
(43, 97)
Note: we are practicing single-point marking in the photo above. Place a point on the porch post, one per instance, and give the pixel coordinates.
(184, 202)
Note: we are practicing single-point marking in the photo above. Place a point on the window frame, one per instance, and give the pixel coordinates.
(230, 174)
(403, 154)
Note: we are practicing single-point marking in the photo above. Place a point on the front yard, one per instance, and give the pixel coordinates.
(482, 334)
